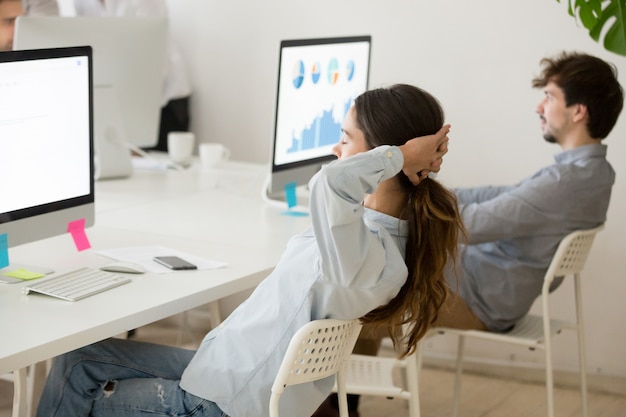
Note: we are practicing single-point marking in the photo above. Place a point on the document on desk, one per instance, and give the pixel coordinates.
(144, 255)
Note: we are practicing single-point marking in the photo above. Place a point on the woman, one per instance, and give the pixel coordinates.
(367, 209)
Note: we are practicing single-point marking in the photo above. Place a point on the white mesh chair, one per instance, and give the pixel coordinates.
(535, 331)
(373, 375)
(318, 350)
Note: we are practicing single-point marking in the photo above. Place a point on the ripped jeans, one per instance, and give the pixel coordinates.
(122, 378)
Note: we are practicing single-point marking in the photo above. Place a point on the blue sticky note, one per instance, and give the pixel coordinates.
(290, 194)
(295, 213)
(4, 250)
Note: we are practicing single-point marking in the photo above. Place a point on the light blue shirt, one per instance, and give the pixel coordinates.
(349, 262)
(514, 231)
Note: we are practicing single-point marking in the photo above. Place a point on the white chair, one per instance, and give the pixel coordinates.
(215, 318)
(373, 375)
(22, 388)
(318, 350)
(536, 331)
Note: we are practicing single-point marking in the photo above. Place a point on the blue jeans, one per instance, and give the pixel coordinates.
(122, 378)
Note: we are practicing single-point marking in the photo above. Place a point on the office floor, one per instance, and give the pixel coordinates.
(481, 396)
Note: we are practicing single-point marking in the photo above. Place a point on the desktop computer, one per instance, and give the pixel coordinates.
(46, 145)
(129, 55)
(318, 80)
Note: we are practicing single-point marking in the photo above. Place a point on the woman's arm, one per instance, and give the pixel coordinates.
(347, 247)
(345, 243)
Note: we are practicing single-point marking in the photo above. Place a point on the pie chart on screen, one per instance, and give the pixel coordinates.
(298, 74)
(333, 71)
(350, 70)
(315, 73)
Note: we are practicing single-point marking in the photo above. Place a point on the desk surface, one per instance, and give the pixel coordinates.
(216, 215)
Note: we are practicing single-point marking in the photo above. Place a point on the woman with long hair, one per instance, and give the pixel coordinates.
(381, 233)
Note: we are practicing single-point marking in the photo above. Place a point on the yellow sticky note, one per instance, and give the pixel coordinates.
(24, 274)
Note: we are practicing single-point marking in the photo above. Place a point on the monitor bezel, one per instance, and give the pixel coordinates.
(7, 218)
(314, 163)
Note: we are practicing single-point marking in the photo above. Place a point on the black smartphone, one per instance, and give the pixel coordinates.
(174, 262)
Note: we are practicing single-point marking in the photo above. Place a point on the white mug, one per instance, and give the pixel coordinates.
(180, 147)
(212, 154)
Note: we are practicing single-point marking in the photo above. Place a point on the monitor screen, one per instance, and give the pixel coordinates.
(129, 67)
(46, 142)
(318, 80)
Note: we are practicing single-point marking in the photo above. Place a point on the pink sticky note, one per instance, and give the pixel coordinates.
(77, 230)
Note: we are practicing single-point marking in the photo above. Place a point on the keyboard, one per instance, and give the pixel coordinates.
(78, 284)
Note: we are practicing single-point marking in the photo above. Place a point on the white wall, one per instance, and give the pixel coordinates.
(477, 57)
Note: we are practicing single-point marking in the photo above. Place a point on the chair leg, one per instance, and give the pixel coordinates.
(548, 353)
(413, 366)
(582, 364)
(342, 395)
(20, 394)
(459, 370)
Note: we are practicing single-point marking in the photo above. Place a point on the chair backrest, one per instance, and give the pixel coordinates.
(316, 351)
(572, 253)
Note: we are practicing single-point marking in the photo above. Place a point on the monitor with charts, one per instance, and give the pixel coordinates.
(46, 146)
(129, 67)
(318, 80)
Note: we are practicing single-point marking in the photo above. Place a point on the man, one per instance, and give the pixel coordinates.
(11, 9)
(513, 231)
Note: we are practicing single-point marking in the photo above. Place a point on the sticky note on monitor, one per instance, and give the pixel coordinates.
(290, 194)
(4, 250)
(77, 230)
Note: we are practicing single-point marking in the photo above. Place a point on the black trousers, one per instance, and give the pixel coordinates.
(174, 118)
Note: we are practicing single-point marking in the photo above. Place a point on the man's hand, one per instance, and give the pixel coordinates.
(424, 154)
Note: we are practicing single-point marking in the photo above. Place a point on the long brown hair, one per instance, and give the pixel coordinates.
(391, 116)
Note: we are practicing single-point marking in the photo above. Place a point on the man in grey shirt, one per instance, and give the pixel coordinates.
(513, 231)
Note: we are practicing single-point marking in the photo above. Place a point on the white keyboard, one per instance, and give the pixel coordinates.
(78, 284)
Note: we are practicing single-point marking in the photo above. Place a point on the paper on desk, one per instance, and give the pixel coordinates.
(144, 255)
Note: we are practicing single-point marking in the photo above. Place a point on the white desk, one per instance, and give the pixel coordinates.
(216, 215)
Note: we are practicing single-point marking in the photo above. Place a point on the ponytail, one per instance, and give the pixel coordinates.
(434, 229)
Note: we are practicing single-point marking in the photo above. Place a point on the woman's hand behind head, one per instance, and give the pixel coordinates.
(424, 154)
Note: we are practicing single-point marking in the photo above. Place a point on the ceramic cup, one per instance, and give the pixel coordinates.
(211, 154)
(180, 147)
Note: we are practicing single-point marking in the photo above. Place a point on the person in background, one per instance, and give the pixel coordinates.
(513, 231)
(40, 7)
(381, 236)
(11, 9)
(175, 111)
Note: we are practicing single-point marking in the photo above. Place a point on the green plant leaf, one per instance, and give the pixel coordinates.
(615, 38)
(595, 18)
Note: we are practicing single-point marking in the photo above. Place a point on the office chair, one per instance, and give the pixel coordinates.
(318, 350)
(536, 331)
(215, 318)
(21, 378)
(373, 375)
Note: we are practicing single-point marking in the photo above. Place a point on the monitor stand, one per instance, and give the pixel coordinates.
(112, 158)
(279, 199)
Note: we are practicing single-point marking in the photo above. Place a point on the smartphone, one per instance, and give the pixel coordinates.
(174, 262)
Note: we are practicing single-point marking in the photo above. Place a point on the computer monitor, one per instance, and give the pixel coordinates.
(129, 66)
(46, 144)
(318, 80)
